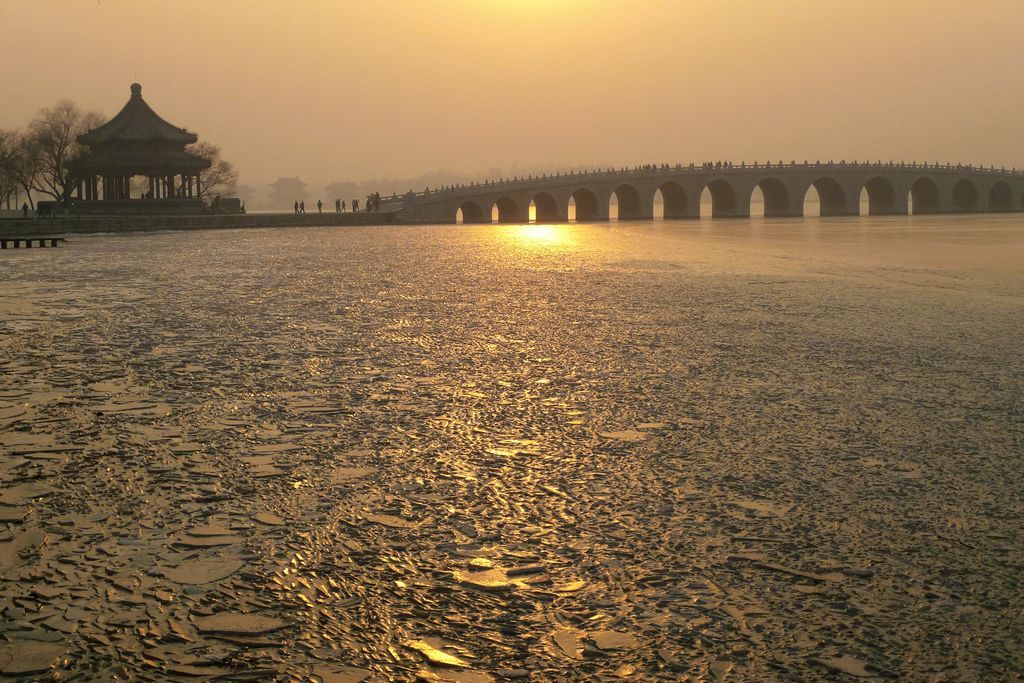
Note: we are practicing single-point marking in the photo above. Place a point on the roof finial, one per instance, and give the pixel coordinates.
(136, 90)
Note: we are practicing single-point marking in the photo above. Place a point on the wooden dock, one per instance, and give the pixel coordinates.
(28, 242)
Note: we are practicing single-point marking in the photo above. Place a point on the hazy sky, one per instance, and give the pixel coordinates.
(338, 90)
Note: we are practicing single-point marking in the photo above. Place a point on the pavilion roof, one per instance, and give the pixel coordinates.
(163, 160)
(137, 122)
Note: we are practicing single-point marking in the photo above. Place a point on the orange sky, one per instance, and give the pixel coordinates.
(335, 90)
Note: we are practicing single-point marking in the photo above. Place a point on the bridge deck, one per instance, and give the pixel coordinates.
(891, 187)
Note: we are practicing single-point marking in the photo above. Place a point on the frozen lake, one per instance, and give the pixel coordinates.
(782, 449)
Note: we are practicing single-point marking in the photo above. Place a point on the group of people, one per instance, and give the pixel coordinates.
(372, 205)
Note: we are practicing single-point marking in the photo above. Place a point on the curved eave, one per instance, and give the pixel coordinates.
(141, 164)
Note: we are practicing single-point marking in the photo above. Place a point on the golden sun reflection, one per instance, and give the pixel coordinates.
(540, 234)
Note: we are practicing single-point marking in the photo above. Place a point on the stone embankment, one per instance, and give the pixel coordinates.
(55, 226)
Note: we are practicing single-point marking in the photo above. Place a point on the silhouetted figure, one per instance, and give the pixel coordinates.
(337, 206)
(319, 206)
(296, 206)
(355, 205)
(343, 206)
(24, 210)
(302, 206)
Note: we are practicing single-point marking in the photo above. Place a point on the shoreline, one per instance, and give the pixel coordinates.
(20, 227)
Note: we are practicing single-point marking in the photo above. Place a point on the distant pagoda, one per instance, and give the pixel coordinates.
(137, 142)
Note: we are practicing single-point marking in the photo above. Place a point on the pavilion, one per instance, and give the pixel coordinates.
(137, 142)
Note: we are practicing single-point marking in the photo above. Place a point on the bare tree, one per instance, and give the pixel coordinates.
(8, 167)
(19, 165)
(53, 142)
(220, 178)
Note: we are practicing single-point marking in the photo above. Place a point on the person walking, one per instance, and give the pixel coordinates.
(296, 206)
(24, 210)
(319, 206)
(302, 206)
(343, 206)
(337, 206)
(355, 205)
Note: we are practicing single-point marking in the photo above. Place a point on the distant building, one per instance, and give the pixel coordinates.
(137, 142)
(286, 191)
(344, 191)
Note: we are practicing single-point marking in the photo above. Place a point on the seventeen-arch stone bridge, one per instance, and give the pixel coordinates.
(892, 188)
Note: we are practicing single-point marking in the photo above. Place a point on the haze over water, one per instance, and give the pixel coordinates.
(774, 449)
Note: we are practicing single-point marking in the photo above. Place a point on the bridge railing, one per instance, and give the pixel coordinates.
(505, 184)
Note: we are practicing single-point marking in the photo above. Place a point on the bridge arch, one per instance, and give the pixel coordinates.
(924, 196)
(965, 196)
(470, 213)
(776, 197)
(723, 198)
(674, 200)
(507, 210)
(831, 197)
(1000, 198)
(545, 208)
(587, 209)
(628, 199)
(881, 197)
